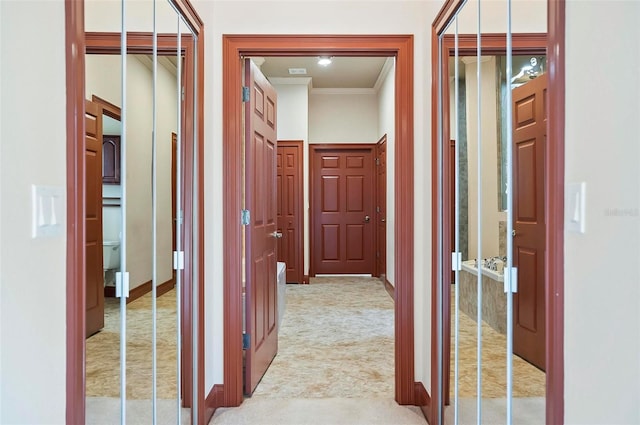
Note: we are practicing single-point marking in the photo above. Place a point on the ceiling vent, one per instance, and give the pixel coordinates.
(297, 71)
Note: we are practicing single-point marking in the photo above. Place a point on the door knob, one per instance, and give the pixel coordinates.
(276, 235)
(384, 220)
(367, 219)
(513, 232)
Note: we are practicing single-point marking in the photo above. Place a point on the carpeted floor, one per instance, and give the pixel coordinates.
(103, 350)
(528, 380)
(336, 340)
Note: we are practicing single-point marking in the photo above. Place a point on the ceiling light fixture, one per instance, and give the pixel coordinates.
(324, 61)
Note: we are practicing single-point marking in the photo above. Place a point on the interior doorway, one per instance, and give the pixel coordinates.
(400, 47)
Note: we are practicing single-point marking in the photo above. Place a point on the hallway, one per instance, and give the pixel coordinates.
(335, 361)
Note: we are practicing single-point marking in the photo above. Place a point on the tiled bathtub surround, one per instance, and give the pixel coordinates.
(494, 303)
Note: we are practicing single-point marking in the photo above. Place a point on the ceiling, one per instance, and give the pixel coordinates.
(343, 72)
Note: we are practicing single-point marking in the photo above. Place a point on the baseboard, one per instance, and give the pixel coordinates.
(305, 279)
(390, 289)
(138, 291)
(423, 400)
(214, 400)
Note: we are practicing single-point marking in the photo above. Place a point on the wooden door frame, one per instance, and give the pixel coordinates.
(75, 42)
(299, 144)
(398, 46)
(313, 149)
(554, 189)
(378, 196)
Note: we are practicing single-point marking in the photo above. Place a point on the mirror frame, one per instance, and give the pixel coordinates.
(75, 41)
(554, 208)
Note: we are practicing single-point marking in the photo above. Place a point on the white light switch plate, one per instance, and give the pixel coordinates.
(574, 207)
(46, 211)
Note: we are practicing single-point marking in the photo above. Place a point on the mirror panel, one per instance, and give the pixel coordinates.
(141, 348)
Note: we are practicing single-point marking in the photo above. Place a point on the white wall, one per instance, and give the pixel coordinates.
(32, 271)
(602, 278)
(316, 17)
(103, 80)
(488, 154)
(387, 125)
(343, 116)
(293, 124)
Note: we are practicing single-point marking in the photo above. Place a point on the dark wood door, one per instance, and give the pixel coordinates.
(260, 200)
(110, 159)
(343, 207)
(289, 192)
(93, 219)
(381, 207)
(529, 139)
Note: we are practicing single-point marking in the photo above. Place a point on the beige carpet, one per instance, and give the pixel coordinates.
(103, 350)
(528, 381)
(335, 361)
(336, 340)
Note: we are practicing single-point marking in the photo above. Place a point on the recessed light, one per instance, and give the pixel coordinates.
(324, 61)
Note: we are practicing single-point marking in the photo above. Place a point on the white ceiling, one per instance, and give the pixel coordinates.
(343, 72)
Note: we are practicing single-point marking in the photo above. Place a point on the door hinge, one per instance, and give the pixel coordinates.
(122, 284)
(182, 93)
(178, 260)
(377, 209)
(377, 161)
(245, 217)
(511, 280)
(246, 341)
(456, 261)
(246, 94)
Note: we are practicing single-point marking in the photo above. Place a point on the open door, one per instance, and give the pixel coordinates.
(260, 233)
(93, 219)
(529, 139)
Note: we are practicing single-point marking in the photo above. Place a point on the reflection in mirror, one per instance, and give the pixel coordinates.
(142, 201)
(475, 164)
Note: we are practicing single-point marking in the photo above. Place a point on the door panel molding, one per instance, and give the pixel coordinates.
(294, 271)
(344, 251)
(398, 46)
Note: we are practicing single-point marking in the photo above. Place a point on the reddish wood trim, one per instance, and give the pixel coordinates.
(423, 400)
(214, 399)
(191, 16)
(108, 43)
(232, 204)
(400, 46)
(495, 44)
(188, 9)
(555, 161)
(390, 289)
(300, 243)
(139, 291)
(75, 267)
(313, 149)
(108, 108)
(305, 279)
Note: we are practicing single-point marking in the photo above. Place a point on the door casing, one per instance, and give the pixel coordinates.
(398, 46)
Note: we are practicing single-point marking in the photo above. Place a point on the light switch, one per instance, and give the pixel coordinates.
(46, 211)
(574, 208)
